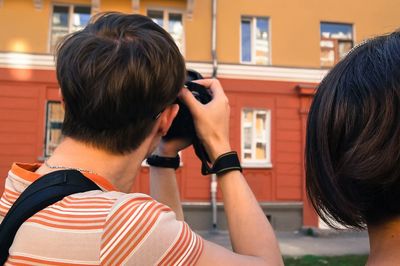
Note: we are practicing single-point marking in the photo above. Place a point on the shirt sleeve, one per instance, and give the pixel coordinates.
(142, 231)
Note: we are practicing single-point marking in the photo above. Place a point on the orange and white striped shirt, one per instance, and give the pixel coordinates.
(98, 228)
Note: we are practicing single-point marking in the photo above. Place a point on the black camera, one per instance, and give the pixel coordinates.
(183, 127)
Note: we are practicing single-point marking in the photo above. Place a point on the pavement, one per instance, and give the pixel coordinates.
(308, 242)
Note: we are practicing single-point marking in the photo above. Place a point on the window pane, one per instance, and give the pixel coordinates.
(55, 117)
(336, 42)
(247, 132)
(247, 138)
(337, 31)
(327, 53)
(260, 127)
(82, 10)
(262, 46)
(248, 117)
(175, 28)
(56, 36)
(60, 24)
(247, 155)
(327, 57)
(81, 17)
(156, 16)
(60, 16)
(344, 48)
(261, 151)
(246, 40)
(254, 135)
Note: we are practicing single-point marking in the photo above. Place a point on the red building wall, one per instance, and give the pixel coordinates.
(23, 95)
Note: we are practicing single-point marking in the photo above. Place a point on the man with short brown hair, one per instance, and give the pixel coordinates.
(119, 78)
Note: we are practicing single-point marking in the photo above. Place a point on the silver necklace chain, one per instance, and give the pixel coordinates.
(68, 168)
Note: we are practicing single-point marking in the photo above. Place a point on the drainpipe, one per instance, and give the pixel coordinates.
(214, 38)
(213, 183)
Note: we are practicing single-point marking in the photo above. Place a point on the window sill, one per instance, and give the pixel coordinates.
(257, 165)
(254, 64)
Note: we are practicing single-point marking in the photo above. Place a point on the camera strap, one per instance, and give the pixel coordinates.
(203, 156)
(42, 193)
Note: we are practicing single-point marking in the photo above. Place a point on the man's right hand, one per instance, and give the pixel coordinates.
(253, 239)
(211, 120)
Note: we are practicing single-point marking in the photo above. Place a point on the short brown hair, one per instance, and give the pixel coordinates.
(115, 76)
(353, 137)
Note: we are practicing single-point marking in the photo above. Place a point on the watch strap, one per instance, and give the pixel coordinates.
(165, 162)
(226, 162)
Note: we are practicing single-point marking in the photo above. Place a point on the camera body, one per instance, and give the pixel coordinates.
(182, 126)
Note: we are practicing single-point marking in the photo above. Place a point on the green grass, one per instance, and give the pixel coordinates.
(350, 260)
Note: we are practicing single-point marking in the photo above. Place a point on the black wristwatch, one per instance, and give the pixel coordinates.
(165, 162)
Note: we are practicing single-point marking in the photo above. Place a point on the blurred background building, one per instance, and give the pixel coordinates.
(269, 55)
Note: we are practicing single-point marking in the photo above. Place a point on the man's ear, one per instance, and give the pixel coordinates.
(167, 117)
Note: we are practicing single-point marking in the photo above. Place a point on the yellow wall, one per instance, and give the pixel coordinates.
(198, 32)
(24, 29)
(18, 24)
(294, 25)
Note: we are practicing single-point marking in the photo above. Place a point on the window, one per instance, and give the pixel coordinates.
(256, 137)
(171, 22)
(336, 42)
(255, 41)
(66, 19)
(54, 120)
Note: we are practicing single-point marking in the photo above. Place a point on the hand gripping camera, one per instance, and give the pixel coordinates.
(183, 126)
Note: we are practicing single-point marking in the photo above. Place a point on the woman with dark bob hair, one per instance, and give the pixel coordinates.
(353, 146)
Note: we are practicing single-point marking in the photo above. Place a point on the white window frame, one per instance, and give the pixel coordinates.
(166, 12)
(253, 25)
(254, 163)
(70, 20)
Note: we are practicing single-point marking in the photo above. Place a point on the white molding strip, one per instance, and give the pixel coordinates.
(26, 61)
(272, 73)
(204, 68)
(45, 61)
(261, 72)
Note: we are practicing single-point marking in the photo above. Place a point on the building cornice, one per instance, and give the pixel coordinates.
(234, 71)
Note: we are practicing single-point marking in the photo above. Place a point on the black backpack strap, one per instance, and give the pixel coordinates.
(42, 193)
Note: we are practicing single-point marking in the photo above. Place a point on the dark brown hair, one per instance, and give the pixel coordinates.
(115, 76)
(353, 137)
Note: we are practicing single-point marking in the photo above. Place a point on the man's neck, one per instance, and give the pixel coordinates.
(119, 170)
(384, 242)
